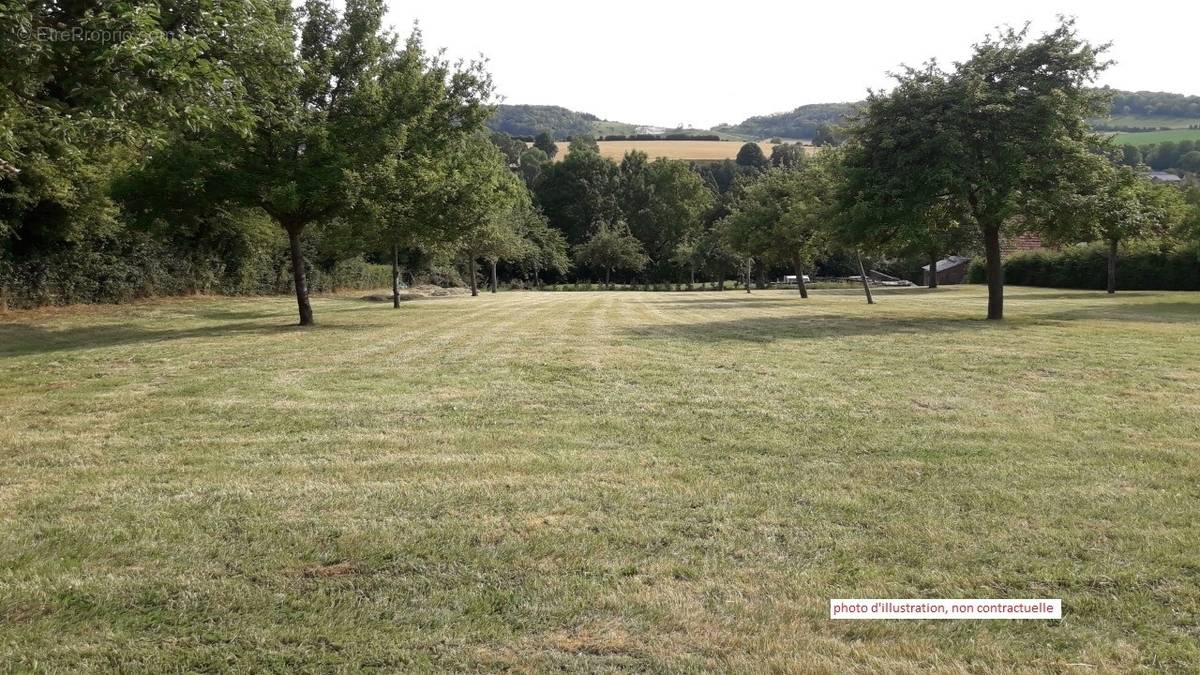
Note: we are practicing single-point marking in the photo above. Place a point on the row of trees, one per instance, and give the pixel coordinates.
(325, 126)
(953, 160)
(1183, 155)
(198, 126)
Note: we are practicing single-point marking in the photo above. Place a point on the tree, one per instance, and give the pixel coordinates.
(531, 165)
(583, 143)
(663, 203)
(751, 156)
(787, 155)
(329, 123)
(611, 247)
(783, 216)
(544, 247)
(545, 142)
(1190, 161)
(717, 258)
(579, 191)
(486, 202)
(74, 113)
(511, 148)
(1122, 206)
(823, 136)
(1002, 141)
(690, 255)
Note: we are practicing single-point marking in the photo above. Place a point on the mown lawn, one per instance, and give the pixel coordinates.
(600, 482)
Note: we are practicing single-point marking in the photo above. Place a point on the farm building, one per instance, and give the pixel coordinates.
(952, 270)
(1164, 177)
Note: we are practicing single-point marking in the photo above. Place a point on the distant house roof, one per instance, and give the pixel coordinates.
(1164, 177)
(947, 263)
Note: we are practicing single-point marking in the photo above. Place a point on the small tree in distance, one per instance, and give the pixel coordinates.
(611, 247)
(545, 142)
(751, 156)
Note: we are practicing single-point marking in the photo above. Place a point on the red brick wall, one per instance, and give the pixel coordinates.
(1026, 241)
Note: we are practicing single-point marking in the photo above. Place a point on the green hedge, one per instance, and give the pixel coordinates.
(136, 265)
(1140, 267)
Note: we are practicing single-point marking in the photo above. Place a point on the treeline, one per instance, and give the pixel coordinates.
(661, 137)
(803, 122)
(259, 146)
(1145, 266)
(1165, 156)
(806, 121)
(530, 120)
(254, 146)
(1153, 104)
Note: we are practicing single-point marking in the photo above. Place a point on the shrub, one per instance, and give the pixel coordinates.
(1141, 266)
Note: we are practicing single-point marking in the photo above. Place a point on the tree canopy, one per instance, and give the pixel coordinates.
(999, 141)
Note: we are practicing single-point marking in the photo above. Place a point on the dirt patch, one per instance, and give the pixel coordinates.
(417, 293)
(335, 570)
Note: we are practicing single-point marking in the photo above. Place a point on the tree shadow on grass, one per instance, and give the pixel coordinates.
(1050, 294)
(1157, 312)
(816, 326)
(827, 325)
(20, 339)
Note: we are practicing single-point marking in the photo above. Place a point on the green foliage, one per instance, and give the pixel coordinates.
(934, 143)
(663, 203)
(803, 122)
(511, 148)
(611, 248)
(751, 156)
(579, 191)
(783, 215)
(531, 165)
(787, 155)
(1118, 204)
(583, 143)
(1144, 266)
(545, 143)
(531, 120)
(1154, 104)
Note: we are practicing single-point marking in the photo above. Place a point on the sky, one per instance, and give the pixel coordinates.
(702, 63)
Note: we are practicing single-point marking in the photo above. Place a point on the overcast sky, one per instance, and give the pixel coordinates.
(703, 63)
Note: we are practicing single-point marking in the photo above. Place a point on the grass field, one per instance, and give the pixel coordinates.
(623, 481)
(1148, 121)
(690, 150)
(1148, 137)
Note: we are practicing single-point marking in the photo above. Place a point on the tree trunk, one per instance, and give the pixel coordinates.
(721, 281)
(1112, 265)
(800, 278)
(495, 283)
(692, 271)
(474, 282)
(749, 263)
(862, 274)
(395, 276)
(761, 281)
(995, 273)
(607, 277)
(933, 261)
(537, 278)
(299, 278)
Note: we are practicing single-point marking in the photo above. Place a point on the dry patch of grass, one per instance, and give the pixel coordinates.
(604, 481)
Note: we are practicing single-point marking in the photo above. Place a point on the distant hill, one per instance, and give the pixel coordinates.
(531, 120)
(1132, 112)
(799, 123)
(563, 124)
